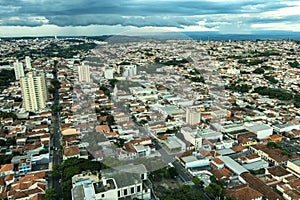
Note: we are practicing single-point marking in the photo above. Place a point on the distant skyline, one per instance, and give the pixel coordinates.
(99, 17)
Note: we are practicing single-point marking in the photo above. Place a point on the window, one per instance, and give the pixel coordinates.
(138, 188)
(102, 195)
(143, 176)
(119, 193)
(125, 192)
(132, 190)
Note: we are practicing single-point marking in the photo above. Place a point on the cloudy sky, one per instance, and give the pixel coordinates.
(98, 17)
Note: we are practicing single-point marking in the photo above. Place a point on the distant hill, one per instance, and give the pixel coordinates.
(257, 35)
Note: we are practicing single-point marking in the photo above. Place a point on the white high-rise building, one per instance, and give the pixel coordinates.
(34, 91)
(109, 73)
(28, 62)
(129, 70)
(84, 73)
(192, 116)
(19, 70)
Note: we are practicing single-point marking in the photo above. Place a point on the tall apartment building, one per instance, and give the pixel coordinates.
(19, 70)
(192, 116)
(28, 62)
(34, 91)
(109, 73)
(84, 73)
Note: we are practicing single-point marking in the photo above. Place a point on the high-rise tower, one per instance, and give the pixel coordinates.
(19, 70)
(84, 73)
(34, 91)
(28, 62)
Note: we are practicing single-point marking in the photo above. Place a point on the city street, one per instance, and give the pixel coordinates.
(54, 181)
(187, 177)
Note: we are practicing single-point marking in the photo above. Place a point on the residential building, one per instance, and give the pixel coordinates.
(273, 156)
(84, 73)
(173, 144)
(192, 161)
(244, 192)
(118, 183)
(258, 185)
(109, 73)
(294, 166)
(192, 116)
(260, 129)
(28, 62)
(280, 128)
(19, 70)
(34, 91)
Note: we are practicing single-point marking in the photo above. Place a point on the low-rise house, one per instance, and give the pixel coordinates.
(275, 138)
(24, 166)
(173, 144)
(103, 129)
(6, 169)
(30, 186)
(271, 155)
(70, 152)
(249, 159)
(258, 185)
(216, 163)
(280, 128)
(278, 172)
(293, 166)
(260, 129)
(243, 192)
(222, 174)
(192, 161)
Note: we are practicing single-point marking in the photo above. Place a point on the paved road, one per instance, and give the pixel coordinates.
(187, 177)
(54, 181)
(182, 172)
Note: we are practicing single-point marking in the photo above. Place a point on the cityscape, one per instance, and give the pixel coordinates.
(174, 100)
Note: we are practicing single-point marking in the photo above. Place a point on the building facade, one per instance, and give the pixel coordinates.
(34, 91)
(19, 70)
(84, 73)
(28, 62)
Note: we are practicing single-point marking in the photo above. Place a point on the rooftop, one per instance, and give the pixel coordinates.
(233, 165)
(243, 192)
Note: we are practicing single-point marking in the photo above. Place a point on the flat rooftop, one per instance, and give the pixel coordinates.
(296, 161)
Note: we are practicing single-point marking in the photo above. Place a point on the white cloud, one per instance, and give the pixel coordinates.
(277, 26)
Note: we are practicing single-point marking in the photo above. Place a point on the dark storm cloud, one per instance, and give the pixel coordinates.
(139, 13)
(138, 21)
(140, 8)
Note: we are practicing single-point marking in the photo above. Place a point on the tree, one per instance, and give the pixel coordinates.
(105, 90)
(51, 194)
(52, 90)
(273, 145)
(214, 189)
(239, 88)
(71, 167)
(294, 64)
(197, 181)
(8, 115)
(171, 172)
(184, 192)
(55, 108)
(271, 79)
(113, 82)
(110, 120)
(55, 83)
(120, 142)
(6, 76)
(259, 71)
